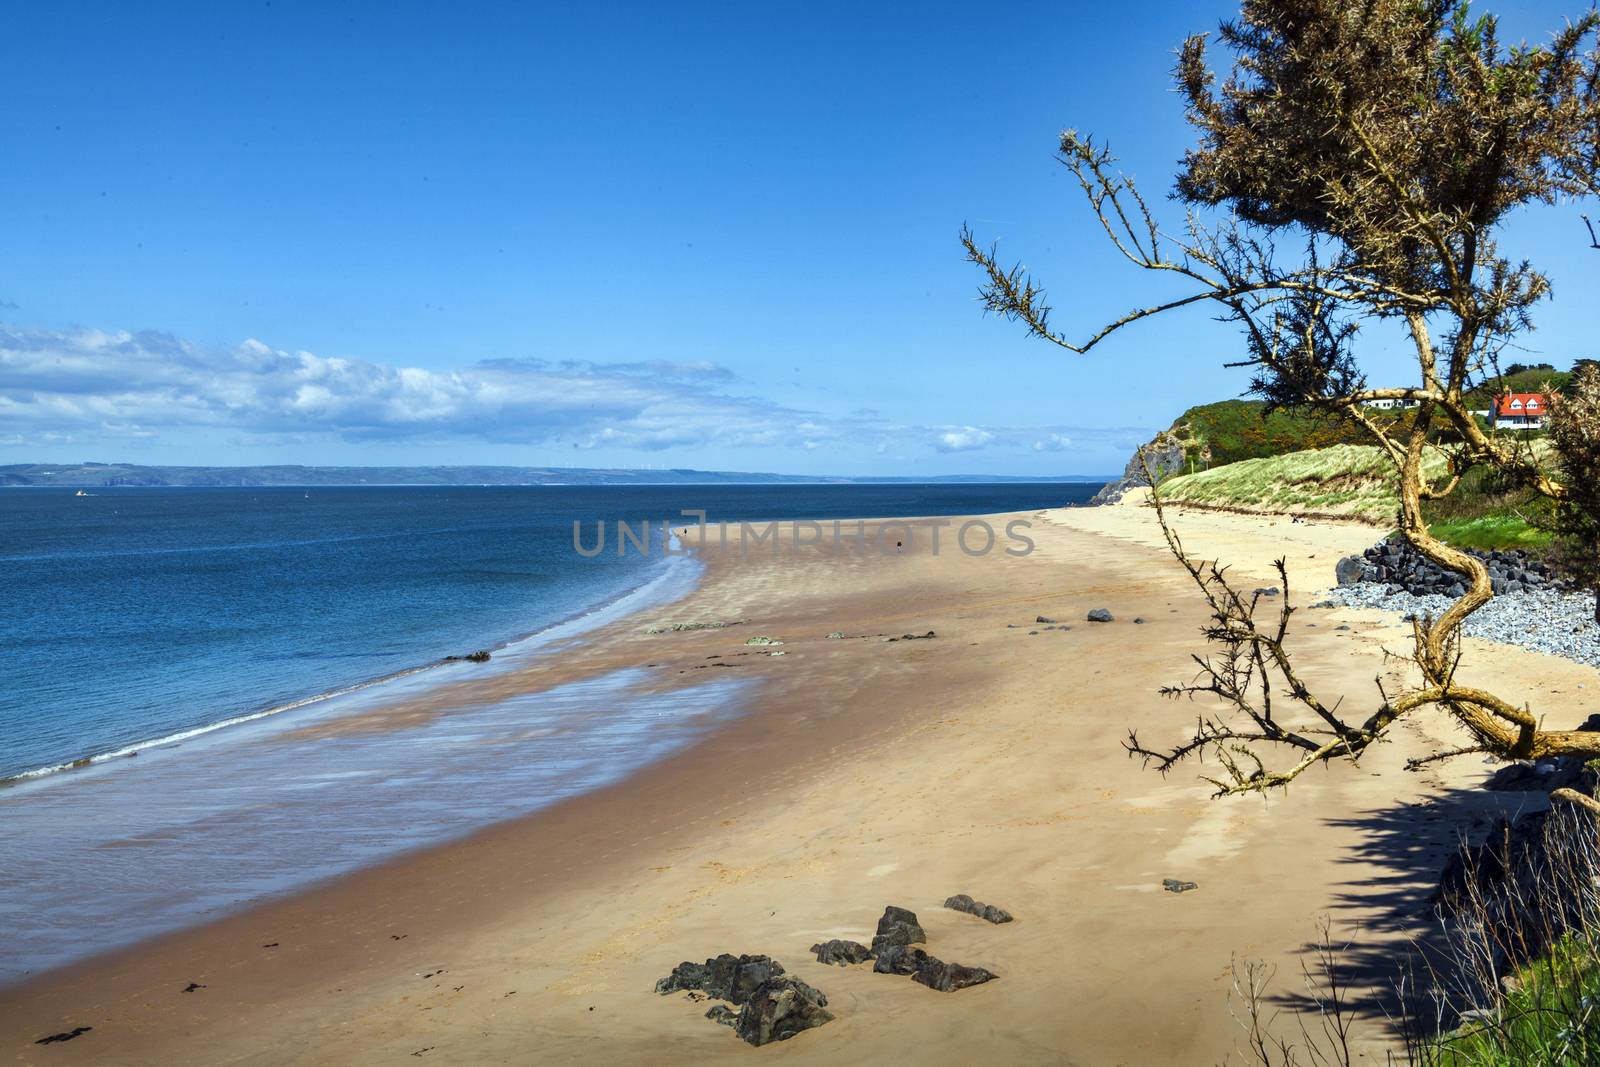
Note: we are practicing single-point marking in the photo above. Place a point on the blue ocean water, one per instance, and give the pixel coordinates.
(192, 614)
(135, 614)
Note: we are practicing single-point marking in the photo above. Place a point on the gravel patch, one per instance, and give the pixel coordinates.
(1560, 624)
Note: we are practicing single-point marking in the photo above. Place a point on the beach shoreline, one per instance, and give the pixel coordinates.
(868, 772)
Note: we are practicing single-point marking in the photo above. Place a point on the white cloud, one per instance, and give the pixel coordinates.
(963, 439)
(90, 384)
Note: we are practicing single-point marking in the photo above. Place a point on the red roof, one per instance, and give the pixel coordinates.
(1512, 405)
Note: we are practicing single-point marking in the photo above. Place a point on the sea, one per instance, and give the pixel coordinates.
(161, 650)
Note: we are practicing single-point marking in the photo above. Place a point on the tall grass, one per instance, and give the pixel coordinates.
(1513, 980)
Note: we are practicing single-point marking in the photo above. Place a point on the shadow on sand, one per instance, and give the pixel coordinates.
(1383, 962)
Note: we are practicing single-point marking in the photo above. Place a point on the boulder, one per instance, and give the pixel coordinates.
(721, 1013)
(987, 912)
(897, 927)
(780, 1008)
(928, 970)
(896, 959)
(1101, 615)
(949, 977)
(841, 953)
(727, 977)
(1173, 885)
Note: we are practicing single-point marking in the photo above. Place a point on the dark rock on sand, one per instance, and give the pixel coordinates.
(726, 977)
(1173, 885)
(897, 927)
(1101, 615)
(841, 953)
(65, 1035)
(780, 1008)
(721, 1013)
(896, 959)
(928, 970)
(949, 977)
(988, 912)
(1043, 619)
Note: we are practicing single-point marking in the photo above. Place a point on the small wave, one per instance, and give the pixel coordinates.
(198, 731)
(674, 567)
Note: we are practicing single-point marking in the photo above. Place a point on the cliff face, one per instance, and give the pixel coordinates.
(1165, 455)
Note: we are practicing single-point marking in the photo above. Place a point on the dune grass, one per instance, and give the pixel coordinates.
(1353, 481)
(1358, 482)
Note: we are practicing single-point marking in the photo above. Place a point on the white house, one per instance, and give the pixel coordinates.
(1520, 411)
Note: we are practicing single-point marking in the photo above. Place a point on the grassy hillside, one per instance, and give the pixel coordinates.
(1525, 381)
(1235, 430)
(1357, 482)
(1353, 481)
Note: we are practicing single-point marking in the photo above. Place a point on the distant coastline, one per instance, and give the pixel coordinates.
(129, 475)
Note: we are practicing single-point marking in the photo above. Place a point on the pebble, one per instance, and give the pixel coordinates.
(1559, 624)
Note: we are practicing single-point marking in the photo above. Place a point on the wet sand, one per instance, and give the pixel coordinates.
(987, 760)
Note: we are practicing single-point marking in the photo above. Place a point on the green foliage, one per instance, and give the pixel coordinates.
(1525, 380)
(1552, 1018)
(1490, 530)
(1490, 509)
(1235, 430)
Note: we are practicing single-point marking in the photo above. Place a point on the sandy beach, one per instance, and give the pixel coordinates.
(864, 772)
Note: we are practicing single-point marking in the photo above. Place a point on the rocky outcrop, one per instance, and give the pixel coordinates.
(1394, 562)
(727, 977)
(928, 970)
(987, 912)
(949, 977)
(841, 953)
(1165, 455)
(780, 1008)
(773, 1006)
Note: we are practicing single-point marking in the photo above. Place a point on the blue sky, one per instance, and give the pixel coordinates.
(688, 235)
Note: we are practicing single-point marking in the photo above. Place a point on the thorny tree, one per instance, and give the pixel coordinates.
(1575, 437)
(1359, 157)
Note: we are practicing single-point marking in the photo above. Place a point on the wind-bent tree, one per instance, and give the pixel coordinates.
(1353, 167)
